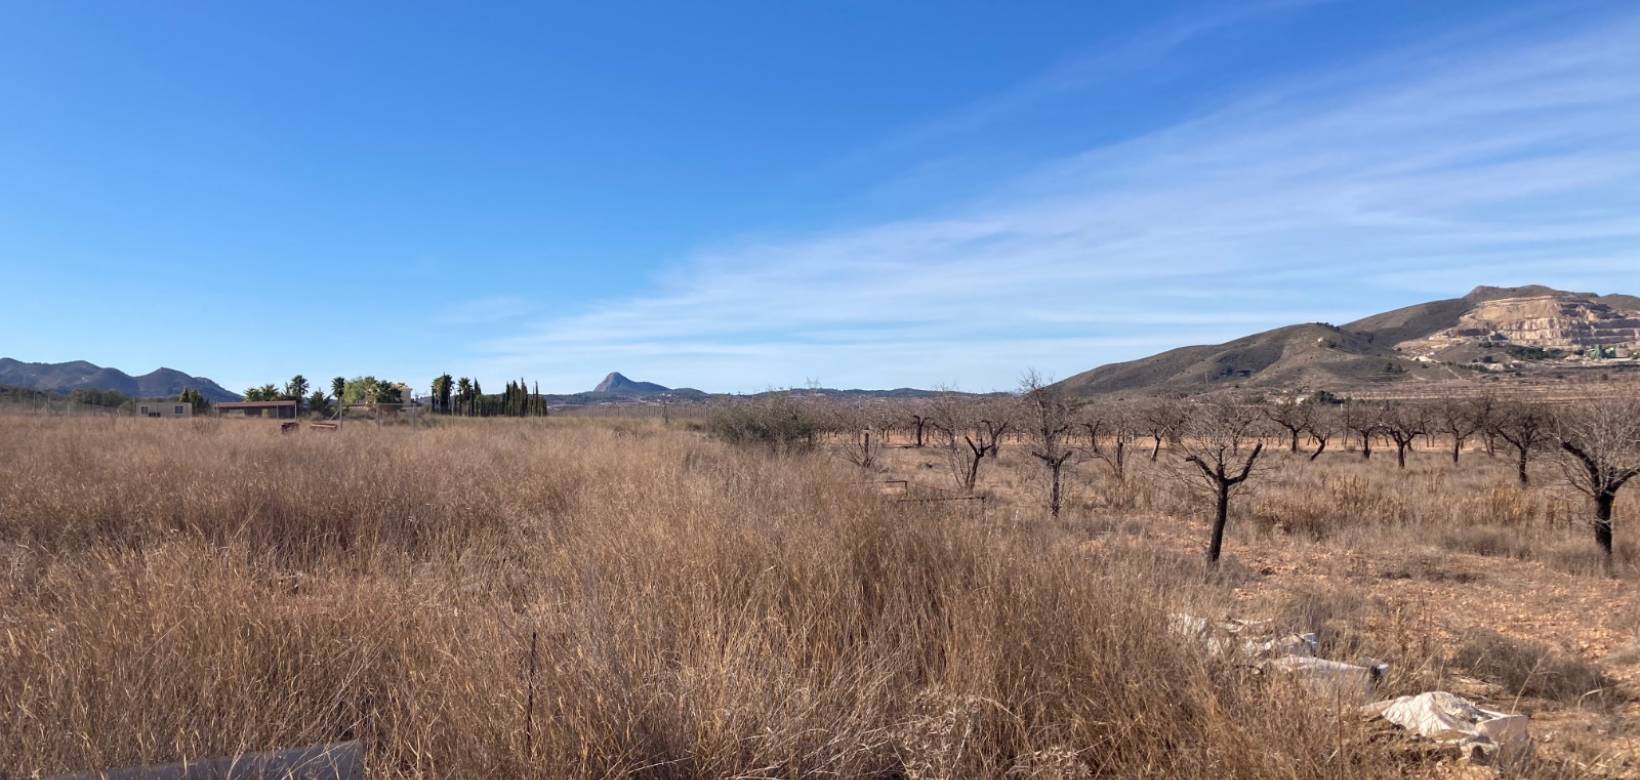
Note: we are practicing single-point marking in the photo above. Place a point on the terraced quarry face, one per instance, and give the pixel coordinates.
(1567, 323)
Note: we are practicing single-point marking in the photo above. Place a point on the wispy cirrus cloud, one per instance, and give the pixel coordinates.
(486, 310)
(1498, 160)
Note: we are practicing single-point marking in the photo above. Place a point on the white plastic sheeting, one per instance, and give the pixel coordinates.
(1334, 678)
(1249, 637)
(1291, 654)
(1481, 734)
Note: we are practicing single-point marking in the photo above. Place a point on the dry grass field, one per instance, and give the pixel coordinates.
(605, 597)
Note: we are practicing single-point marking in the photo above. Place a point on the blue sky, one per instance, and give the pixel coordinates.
(736, 196)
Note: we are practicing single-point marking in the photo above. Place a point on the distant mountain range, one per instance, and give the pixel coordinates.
(67, 377)
(1490, 331)
(1493, 333)
(617, 389)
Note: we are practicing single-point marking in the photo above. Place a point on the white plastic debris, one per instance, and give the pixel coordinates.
(1246, 636)
(1482, 735)
(1334, 678)
(1303, 645)
(1294, 654)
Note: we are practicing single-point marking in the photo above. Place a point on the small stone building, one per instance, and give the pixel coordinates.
(278, 410)
(171, 408)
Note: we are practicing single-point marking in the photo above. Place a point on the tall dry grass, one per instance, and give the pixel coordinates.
(183, 589)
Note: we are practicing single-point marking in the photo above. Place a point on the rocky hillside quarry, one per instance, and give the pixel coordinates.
(1569, 323)
(1497, 332)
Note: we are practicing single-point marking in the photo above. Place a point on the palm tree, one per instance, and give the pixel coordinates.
(297, 389)
(441, 392)
(384, 392)
(338, 388)
(464, 392)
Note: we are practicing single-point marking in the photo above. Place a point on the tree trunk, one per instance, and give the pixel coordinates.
(1603, 524)
(1401, 454)
(1366, 448)
(1293, 445)
(1457, 446)
(920, 424)
(1156, 450)
(1320, 447)
(1053, 492)
(1220, 517)
(1524, 480)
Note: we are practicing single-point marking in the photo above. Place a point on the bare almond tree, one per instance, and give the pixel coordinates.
(1484, 408)
(946, 420)
(1459, 419)
(1207, 441)
(919, 423)
(1050, 412)
(1162, 418)
(966, 434)
(1324, 422)
(1365, 421)
(997, 417)
(1403, 423)
(1291, 415)
(1094, 420)
(1600, 445)
(1115, 421)
(1525, 426)
(1093, 424)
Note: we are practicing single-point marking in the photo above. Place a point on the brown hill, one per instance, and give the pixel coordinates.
(1314, 354)
(1427, 342)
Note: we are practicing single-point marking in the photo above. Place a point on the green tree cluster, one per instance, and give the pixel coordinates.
(296, 389)
(195, 399)
(465, 397)
(90, 396)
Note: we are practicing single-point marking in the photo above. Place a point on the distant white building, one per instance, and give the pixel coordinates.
(164, 409)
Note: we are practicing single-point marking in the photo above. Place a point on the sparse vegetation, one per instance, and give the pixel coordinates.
(744, 602)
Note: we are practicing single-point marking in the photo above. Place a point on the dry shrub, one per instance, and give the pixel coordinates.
(777, 421)
(1502, 505)
(1486, 540)
(1526, 668)
(696, 611)
(1430, 568)
(1578, 555)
